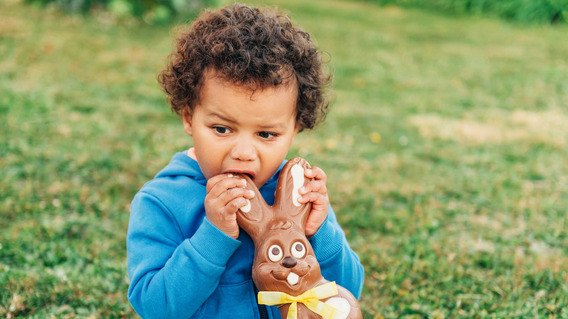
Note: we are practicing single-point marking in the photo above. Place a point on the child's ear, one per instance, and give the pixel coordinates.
(296, 130)
(186, 117)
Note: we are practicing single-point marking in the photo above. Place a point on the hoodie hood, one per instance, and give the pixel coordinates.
(183, 165)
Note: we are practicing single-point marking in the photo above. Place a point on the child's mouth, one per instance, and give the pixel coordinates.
(249, 175)
(245, 173)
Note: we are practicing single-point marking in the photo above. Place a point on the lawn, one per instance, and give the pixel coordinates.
(446, 150)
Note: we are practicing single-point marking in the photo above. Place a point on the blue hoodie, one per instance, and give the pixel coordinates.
(182, 266)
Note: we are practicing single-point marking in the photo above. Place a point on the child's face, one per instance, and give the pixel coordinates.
(236, 131)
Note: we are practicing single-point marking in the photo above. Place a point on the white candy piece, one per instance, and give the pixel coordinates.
(297, 172)
(341, 304)
(292, 278)
(246, 208)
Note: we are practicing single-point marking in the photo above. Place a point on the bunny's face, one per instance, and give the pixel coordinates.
(285, 261)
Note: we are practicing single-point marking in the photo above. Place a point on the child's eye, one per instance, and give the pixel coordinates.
(266, 134)
(221, 129)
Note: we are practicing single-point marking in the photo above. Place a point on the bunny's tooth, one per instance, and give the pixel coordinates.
(297, 172)
(292, 278)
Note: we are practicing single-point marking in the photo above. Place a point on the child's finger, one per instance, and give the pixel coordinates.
(233, 193)
(219, 178)
(213, 181)
(314, 186)
(235, 204)
(316, 173)
(220, 183)
(315, 198)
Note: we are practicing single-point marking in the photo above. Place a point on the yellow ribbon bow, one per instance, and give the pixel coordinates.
(310, 299)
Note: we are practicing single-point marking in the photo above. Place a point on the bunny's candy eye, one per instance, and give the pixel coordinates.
(298, 250)
(275, 253)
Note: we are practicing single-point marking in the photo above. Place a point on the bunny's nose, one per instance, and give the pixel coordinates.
(289, 262)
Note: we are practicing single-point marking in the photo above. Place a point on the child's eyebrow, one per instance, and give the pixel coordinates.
(221, 117)
(264, 126)
(272, 126)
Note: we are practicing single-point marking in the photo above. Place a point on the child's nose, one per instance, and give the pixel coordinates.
(243, 151)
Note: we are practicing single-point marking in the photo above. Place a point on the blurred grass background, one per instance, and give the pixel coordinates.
(446, 152)
(525, 11)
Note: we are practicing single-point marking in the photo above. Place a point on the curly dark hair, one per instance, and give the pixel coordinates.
(249, 47)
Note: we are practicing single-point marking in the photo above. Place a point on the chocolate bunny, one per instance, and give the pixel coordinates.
(285, 268)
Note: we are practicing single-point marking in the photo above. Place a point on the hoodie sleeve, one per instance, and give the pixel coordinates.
(338, 262)
(172, 276)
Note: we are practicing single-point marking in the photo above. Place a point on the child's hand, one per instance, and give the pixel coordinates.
(225, 195)
(315, 192)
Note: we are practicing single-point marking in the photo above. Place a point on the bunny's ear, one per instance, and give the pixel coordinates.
(251, 217)
(291, 179)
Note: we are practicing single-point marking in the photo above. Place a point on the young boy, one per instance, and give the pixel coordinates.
(244, 82)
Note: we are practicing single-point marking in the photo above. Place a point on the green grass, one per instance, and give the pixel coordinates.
(523, 11)
(446, 152)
